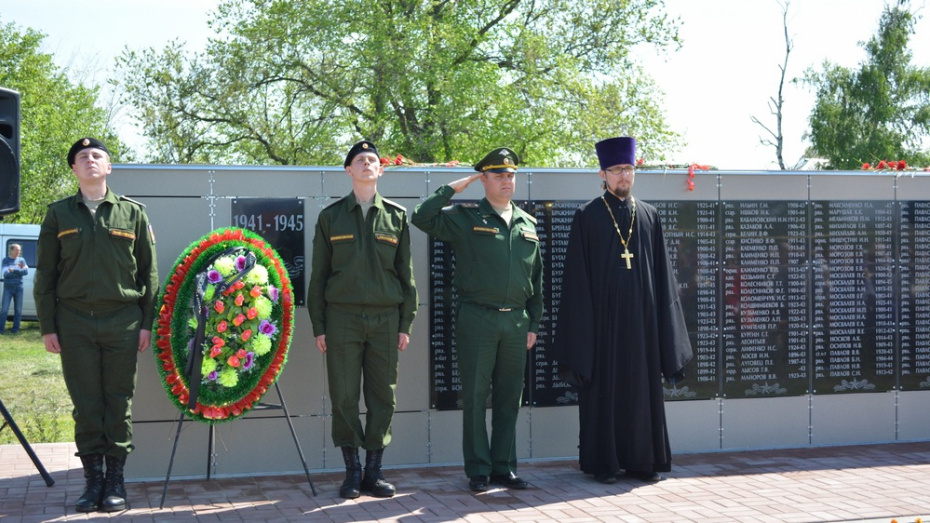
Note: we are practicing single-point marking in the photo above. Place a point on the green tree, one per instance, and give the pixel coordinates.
(296, 81)
(54, 113)
(880, 111)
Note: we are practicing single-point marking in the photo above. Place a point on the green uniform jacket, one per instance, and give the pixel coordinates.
(362, 261)
(495, 267)
(95, 263)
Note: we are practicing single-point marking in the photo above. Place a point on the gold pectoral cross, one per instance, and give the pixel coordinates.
(627, 255)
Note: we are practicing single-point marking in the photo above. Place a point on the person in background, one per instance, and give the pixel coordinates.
(620, 326)
(12, 269)
(362, 299)
(96, 283)
(498, 277)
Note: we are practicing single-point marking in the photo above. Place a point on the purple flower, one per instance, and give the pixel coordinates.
(213, 276)
(267, 328)
(273, 293)
(240, 263)
(249, 357)
(212, 376)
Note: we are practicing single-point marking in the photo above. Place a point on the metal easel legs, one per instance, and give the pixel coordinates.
(8, 420)
(290, 425)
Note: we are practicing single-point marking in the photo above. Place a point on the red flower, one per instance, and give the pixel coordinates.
(246, 334)
(240, 299)
(215, 351)
(902, 165)
(640, 161)
(222, 326)
(881, 165)
(256, 291)
(240, 353)
(233, 361)
(866, 166)
(219, 306)
(237, 321)
(252, 313)
(399, 160)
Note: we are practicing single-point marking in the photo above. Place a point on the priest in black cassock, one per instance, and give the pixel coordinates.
(620, 325)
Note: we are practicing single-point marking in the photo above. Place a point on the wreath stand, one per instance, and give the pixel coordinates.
(212, 439)
(8, 420)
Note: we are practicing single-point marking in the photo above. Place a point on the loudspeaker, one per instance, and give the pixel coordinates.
(9, 151)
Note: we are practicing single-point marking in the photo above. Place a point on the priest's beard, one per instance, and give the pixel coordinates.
(619, 192)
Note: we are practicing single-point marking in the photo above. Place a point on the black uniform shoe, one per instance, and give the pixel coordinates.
(647, 477)
(478, 483)
(510, 480)
(607, 478)
(93, 491)
(373, 481)
(352, 486)
(114, 494)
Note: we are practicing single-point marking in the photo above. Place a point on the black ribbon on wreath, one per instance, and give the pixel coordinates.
(202, 310)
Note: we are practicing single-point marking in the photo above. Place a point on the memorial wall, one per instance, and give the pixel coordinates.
(781, 298)
(807, 299)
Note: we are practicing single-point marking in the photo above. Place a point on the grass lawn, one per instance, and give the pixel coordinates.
(33, 390)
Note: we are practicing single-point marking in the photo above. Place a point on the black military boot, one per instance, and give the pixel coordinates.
(374, 482)
(93, 490)
(114, 496)
(351, 488)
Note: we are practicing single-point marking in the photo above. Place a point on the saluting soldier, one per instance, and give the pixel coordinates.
(95, 288)
(498, 277)
(362, 300)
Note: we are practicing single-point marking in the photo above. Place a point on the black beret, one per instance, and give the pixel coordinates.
(499, 160)
(85, 143)
(361, 147)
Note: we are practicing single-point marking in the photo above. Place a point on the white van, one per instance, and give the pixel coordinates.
(27, 236)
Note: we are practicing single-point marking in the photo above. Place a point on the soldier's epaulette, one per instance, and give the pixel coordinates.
(394, 204)
(59, 201)
(128, 199)
(530, 217)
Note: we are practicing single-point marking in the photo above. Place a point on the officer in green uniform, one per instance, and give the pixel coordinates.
(96, 284)
(498, 277)
(362, 300)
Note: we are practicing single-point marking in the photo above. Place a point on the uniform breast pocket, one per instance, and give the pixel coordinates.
(529, 244)
(122, 242)
(386, 244)
(345, 249)
(69, 239)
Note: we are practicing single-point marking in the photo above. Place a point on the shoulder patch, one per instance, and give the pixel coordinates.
(128, 199)
(394, 204)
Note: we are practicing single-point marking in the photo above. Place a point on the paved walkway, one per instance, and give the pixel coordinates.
(873, 483)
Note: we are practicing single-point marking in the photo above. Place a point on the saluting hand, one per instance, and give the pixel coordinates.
(403, 340)
(460, 184)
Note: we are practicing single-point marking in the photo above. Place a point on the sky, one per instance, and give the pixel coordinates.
(725, 72)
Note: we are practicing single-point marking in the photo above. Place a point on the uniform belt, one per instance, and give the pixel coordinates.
(499, 309)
